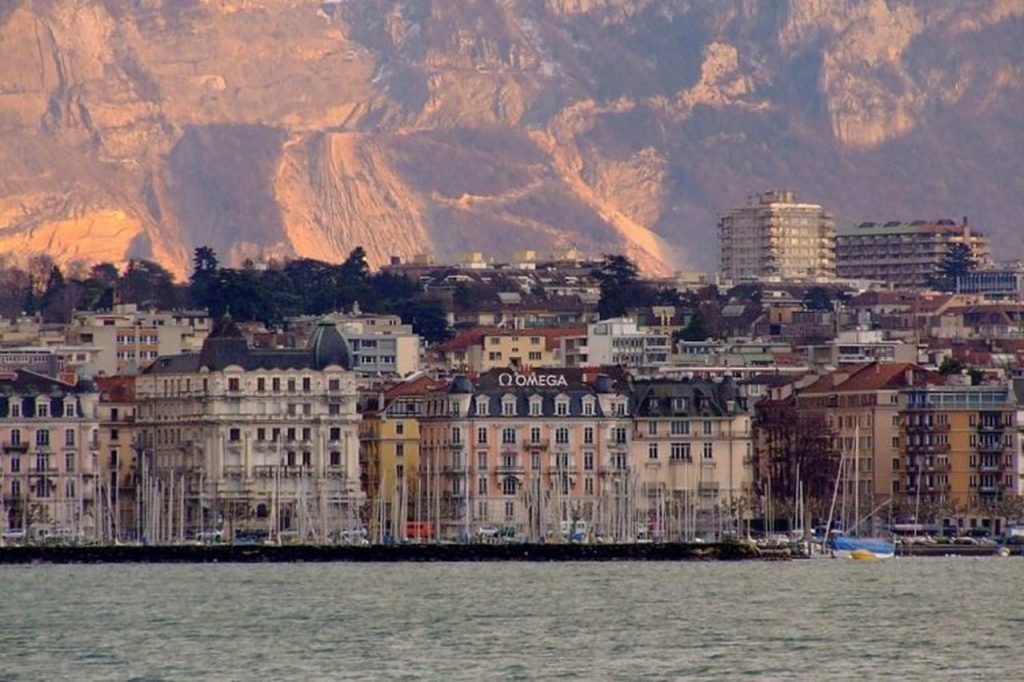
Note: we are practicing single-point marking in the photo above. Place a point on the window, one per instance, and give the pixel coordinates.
(307, 384)
(400, 428)
(233, 384)
(561, 408)
(261, 434)
(481, 461)
(456, 434)
(42, 410)
(69, 410)
(588, 485)
(69, 461)
(399, 449)
(15, 410)
(234, 434)
(333, 384)
(42, 488)
(261, 384)
(307, 409)
(275, 385)
(588, 435)
(481, 486)
(680, 427)
(536, 406)
(112, 458)
(895, 441)
(307, 434)
(482, 407)
(334, 434)
(335, 458)
(291, 385)
(509, 485)
(535, 435)
(290, 434)
(619, 435)
(652, 428)
(334, 409)
(588, 407)
(42, 437)
(707, 428)
(535, 355)
(508, 407)
(562, 436)
(114, 435)
(652, 450)
(307, 458)
(290, 458)
(69, 437)
(481, 435)
(510, 509)
(15, 465)
(535, 461)
(508, 436)
(680, 451)
(15, 436)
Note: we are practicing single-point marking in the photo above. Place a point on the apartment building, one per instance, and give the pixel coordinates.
(904, 254)
(620, 341)
(859, 407)
(692, 451)
(48, 469)
(261, 441)
(775, 236)
(381, 344)
(389, 457)
(127, 337)
(484, 349)
(535, 454)
(960, 449)
(117, 453)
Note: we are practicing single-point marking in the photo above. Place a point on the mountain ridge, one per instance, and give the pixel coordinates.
(284, 128)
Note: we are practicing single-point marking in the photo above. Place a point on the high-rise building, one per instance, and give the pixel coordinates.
(905, 254)
(775, 236)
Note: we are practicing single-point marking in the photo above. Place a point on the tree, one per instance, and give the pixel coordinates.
(958, 262)
(146, 283)
(621, 288)
(695, 330)
(818, 299)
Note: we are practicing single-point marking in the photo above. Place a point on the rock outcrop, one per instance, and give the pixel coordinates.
(305, 127)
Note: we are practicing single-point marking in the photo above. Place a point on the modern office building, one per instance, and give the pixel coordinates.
(904, 254)
(775, 236)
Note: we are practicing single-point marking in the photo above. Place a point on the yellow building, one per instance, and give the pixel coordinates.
(959, 451)
(389, 452)
(483, 349)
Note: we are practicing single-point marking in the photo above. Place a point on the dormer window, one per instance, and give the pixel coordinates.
(588, 407)
(42, 409)
(482, 406)
(536, 406)
(679, 404)
(508, 406)
(15, 409)
(562, 406)
(69, 409)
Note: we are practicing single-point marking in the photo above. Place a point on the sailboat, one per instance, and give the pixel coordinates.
(853, 546)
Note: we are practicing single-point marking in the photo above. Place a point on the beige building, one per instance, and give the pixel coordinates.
(381, 344)
(487, 348)
(534, 454)
(692, 451)
(48, 464)
(128, 338)
(241, 439)
(117, 454)
(904, 254)
(774, 236)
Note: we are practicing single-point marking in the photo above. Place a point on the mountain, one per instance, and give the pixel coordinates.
(270, 128)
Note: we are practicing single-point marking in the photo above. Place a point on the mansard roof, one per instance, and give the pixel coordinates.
(226, 346)
(658, 398)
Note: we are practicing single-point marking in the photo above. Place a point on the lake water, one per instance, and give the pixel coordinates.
(905, 618)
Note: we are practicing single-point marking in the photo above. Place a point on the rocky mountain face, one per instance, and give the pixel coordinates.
(305, 127)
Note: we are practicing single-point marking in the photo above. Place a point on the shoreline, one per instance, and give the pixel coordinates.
(379, 553)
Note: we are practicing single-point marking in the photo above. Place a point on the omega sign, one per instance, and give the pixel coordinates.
(544, 380)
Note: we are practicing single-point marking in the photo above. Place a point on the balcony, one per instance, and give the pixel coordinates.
(234, 472)
(15, 447)
(542, 444)
(456, 446)
(991, 447)
(708, 488)
(990, 428)
(510, 470)
(454, 469)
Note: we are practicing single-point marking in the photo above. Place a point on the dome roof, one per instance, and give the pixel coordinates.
(86, 386)
(329, 346)
(461, 384)
(604, 384)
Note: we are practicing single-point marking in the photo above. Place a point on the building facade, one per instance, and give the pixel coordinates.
(247, 440)
(48, 483)
(904, 254)
(540, 454)
(774, 235)
(621, 342)
(127, 337)
(693, 454)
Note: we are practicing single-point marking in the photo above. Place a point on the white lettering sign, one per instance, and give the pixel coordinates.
(538, 380)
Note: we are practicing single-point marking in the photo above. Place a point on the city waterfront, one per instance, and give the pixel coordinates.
(811, 619)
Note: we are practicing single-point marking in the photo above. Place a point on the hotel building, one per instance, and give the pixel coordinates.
(265, 441)
(774, 236)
